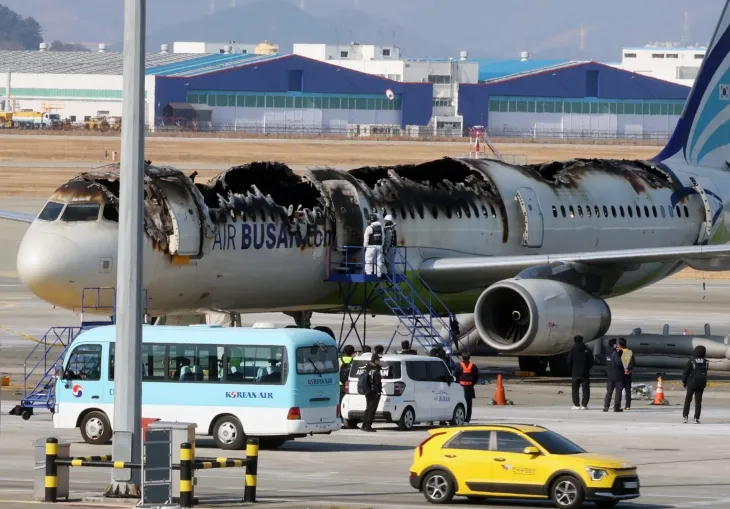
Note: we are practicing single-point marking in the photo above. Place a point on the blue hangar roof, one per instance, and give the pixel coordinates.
(491, 69)
(288, 74)
(569, 80)
(207, 63)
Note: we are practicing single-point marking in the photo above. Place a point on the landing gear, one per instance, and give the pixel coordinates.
(326, 330)
(537, 365)
(303, 319)
(559, 365)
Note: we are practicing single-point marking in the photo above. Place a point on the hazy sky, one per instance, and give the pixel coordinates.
(490, 28)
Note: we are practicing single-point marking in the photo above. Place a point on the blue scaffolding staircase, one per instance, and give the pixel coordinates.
(403, 292)
(47, 356)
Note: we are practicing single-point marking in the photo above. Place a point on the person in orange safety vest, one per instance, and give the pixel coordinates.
(467, 374)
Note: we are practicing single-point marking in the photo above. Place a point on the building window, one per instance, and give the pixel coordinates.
(672, 55)
(629, 55)
(592, 83)
(344, 54)
(657, 55)
(699, 56)
(296, 81)
(386, 52)
(439, 79)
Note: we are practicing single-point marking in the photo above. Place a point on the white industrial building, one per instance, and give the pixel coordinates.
(666, 62)
(262, 48)
(388, 62)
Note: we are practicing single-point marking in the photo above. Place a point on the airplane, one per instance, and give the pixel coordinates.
(525, 254)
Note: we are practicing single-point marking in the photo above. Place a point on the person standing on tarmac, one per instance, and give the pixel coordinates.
(628, 361)
(467, 375)
(345, 361)
(372, 398)
(379, 349)
(615, 381)
(694, 379)
(581, 362)
(405, 348)
(373, 243)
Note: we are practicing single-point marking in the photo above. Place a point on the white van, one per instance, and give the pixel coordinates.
(415, 389)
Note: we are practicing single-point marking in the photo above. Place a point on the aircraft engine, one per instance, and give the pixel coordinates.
(538, 316)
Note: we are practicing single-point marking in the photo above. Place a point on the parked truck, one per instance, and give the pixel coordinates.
(35, 119)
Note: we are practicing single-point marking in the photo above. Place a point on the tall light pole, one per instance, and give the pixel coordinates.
(127, 370)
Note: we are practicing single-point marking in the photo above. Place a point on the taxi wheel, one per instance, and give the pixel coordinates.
(567, 493)
(407, 419)
(438, 488)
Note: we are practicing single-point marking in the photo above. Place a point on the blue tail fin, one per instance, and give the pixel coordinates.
(702, 135)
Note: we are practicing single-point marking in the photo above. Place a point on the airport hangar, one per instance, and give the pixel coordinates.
(271, 92)
(564, 98)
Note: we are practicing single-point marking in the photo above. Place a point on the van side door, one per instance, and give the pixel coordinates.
(424, 389)
(442, 403)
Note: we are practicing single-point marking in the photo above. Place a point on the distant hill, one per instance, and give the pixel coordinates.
(572, 29)
(17, 32)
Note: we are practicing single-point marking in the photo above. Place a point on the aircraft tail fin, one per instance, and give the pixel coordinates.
(702, 135)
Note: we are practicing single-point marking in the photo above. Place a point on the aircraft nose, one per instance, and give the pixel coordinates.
(51, 266)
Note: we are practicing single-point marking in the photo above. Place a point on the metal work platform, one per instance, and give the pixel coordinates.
(400, 291)
(47, 356)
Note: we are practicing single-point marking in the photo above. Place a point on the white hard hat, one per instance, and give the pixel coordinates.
(389, 218)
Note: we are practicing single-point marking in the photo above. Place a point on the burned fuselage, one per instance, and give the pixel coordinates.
(263, 237)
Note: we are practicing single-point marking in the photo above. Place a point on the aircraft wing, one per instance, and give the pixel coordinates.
(23, 217)
(486, 270)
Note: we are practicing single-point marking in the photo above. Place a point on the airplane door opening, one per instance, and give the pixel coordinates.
(349, 220)
(705, 189)
(532, 213)
(186, 239)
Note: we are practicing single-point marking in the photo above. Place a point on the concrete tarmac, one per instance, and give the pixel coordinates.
(680, 465)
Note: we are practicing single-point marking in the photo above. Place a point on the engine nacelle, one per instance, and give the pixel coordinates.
(538, 316)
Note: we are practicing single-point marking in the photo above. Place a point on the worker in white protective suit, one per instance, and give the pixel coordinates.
(373, 244)
(390, 243)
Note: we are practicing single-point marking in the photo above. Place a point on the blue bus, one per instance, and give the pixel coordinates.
(232, 382)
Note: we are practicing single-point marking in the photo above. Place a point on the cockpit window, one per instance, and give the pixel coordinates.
(51, 211)
(81, 212)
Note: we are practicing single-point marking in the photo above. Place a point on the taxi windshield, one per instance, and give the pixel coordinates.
(554, 443)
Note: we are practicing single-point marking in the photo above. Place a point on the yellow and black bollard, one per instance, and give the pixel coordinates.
(252, 463)
(51, 469)
(186, 475)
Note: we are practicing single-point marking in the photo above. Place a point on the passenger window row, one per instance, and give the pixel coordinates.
(629, 210)
(465, 211)
(210, 364)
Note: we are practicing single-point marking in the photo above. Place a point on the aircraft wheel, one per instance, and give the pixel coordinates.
(326, 330)
(559, 365)
(537, 365)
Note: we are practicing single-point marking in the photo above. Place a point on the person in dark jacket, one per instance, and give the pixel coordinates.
(615, 381)
(467, 375)
(581, 362)
(694, 380)
(372, 398)
(628, 361)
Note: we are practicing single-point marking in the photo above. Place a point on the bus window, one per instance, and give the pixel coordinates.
(256, 365)
(193, 363)
(153, 362)
(84, 363)
(317, 359)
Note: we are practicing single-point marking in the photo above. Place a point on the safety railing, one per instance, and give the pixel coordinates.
(188, 464)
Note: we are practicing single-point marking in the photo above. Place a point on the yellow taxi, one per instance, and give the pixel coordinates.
(518, 461)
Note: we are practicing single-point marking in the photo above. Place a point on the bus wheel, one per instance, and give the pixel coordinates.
(95, 428)
(228, 433)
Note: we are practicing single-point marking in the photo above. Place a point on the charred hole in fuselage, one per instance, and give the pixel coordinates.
(262, 190)
(445, 184)
(639, 174)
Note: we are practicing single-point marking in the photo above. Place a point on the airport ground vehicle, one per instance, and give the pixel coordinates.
(415, 389)
(276, 384)
(518, 461)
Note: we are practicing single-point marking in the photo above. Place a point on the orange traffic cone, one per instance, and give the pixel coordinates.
(499, 396)
(659, 396)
